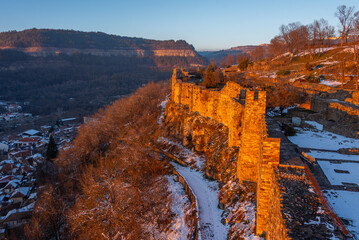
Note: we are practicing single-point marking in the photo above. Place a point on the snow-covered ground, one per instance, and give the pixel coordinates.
(188, 156)
(276, 111)
(319, 139)
(348, 172)
(345, 204)
(330, 83)
(207, 195)
(333, 155)
(314, 124)
(180, 205)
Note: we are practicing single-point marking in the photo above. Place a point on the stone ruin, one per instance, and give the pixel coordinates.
(288, 199)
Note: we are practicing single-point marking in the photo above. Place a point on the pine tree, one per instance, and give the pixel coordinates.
(51, 151)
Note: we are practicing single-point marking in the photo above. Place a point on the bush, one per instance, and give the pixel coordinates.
(313, 79)
(213, 76)
(283, 72)
(243, 64)
(308, 66)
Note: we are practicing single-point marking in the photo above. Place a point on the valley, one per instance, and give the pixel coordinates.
(105, 136)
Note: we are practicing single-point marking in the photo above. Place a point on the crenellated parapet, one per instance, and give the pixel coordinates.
(242, 111)
(223, 106)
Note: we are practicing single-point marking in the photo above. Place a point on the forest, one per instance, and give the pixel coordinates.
(109, 183)
(77, 39)
(80, 83)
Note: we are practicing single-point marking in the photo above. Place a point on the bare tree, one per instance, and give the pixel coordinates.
(257, 54)
(345, 16)
(276, 46)
(319, 31)
(355, 32)
(227, 61)
(295, 36)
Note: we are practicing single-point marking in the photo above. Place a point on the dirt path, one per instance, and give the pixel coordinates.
(207, 197)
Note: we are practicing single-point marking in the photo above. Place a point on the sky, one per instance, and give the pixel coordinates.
(206, 24)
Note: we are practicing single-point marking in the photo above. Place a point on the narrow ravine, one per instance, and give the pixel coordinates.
(206, 193)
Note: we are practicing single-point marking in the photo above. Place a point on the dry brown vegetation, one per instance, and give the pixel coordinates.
(110, 185)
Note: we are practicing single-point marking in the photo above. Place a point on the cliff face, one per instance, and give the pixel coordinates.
(45, 42)
(50, 51)
(203, 135)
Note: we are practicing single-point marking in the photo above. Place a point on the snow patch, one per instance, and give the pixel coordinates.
(330, 83)
(345, 204)
(332, 155)
(339, 173)
(180, 206)
(315, 125)
(188, 156)
(319, 139)
(162, 105)
(207, 195)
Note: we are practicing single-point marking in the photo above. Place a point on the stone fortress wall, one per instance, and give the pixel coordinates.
(243, 112)
(218, 105)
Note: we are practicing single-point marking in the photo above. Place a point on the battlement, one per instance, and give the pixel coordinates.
(243, 112)
(222, 106)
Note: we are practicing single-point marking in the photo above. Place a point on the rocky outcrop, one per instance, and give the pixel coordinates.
(47, 42)
(203, 135)
(50, 51)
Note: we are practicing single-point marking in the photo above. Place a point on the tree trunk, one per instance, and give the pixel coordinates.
(343, 66)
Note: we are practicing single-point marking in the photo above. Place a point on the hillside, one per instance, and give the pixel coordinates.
(40, 39)
(218, 55)
(75, 73)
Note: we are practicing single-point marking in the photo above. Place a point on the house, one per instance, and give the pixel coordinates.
(16, 218)
(28, 168)
(4, 149)
(20, 154)
(45, 129)
(31, 133)
(68, 120)
(20, 194)
(11, 186)
(8, 168)
(26, 142)
(5, 180)
(33, 159)
(13, 108)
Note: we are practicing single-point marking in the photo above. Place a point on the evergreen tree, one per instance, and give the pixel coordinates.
(51, 151)
(213, 76)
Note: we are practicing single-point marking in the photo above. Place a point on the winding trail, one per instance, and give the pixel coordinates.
(206, 193)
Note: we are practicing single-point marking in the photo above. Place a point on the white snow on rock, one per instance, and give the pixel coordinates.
(345, 204)
(162, 105)
(207, 195)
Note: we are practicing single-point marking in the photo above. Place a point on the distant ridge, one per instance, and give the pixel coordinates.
(218, 55)
(78, 39)
(47, 67)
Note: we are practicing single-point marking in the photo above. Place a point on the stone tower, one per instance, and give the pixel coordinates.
(252, 133)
